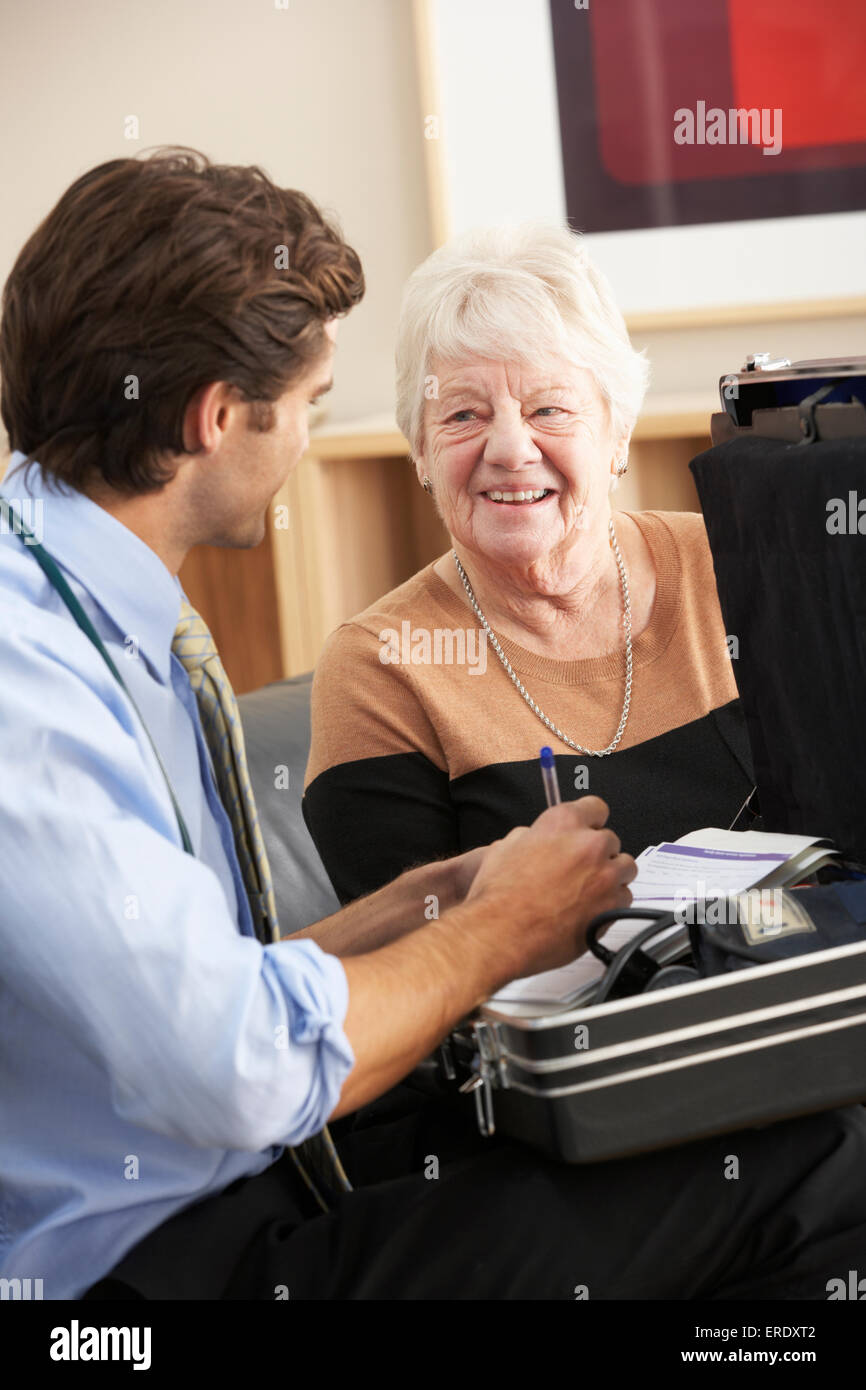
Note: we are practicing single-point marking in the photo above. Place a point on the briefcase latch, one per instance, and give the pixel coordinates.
(488, 1068)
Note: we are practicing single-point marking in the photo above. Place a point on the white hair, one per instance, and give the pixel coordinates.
(514, 293)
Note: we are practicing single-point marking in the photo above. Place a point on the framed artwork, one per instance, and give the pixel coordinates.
(673, 112)
(712, 151)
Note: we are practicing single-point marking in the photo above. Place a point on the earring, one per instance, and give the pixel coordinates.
(621, 466)
(428, 486)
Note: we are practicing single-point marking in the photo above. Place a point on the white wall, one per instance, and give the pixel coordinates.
(322, 94)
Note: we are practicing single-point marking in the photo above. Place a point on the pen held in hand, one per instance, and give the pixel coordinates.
(549, 778)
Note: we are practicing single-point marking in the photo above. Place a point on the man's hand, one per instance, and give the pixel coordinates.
(460, 872)
(398, 908)
(520, 873)
(546, 882)
(527, 909)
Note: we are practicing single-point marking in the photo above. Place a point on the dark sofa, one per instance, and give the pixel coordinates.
(276, 723)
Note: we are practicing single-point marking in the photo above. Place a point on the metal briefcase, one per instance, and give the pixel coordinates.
(738, 1050)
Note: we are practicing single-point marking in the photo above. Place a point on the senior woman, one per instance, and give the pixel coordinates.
(551, 620)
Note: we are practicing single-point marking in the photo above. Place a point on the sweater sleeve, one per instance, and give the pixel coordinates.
(376, 798)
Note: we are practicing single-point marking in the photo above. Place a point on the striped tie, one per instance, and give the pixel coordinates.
(316, 1158)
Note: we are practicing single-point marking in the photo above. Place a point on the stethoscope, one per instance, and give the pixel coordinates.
(55, 578)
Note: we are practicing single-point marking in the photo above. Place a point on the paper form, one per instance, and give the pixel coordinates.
(703, 864)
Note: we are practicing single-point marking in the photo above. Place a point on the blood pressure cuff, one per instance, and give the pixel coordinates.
(758, 928)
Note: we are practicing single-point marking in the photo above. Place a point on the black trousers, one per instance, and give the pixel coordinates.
(440, 1213)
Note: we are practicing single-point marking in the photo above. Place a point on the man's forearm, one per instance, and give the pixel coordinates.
(418, 896)
(405, 998)
(530, 901)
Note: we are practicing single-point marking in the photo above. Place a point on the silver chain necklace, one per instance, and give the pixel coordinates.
(626, 622)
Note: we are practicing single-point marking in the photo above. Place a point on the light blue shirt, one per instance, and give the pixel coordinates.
(151, 1049)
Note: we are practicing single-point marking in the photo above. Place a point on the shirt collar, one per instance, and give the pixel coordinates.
(125, 577)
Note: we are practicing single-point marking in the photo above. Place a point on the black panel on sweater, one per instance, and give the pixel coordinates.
(373, 818)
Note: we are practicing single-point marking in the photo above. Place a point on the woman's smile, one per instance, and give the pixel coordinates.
(518, 497)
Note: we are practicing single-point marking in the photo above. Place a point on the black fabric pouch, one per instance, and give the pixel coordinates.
(732, 933)
(760, 928)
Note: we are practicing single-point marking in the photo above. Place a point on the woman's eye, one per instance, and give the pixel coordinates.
(460, 417)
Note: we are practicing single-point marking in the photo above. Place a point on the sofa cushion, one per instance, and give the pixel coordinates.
(276, 723)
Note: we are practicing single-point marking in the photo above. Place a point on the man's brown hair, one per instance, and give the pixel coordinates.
(149, 279)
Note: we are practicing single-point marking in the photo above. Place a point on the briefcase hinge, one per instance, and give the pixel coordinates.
(489, 1070)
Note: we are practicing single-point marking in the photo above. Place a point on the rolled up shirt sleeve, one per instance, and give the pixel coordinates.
(126, 947)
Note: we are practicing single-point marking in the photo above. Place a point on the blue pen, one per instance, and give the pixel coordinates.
(548, 777)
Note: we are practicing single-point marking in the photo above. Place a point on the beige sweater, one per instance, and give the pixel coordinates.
(401, 741)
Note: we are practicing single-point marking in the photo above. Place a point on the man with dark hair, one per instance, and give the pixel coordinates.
(168, 1057)
(148, 280)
